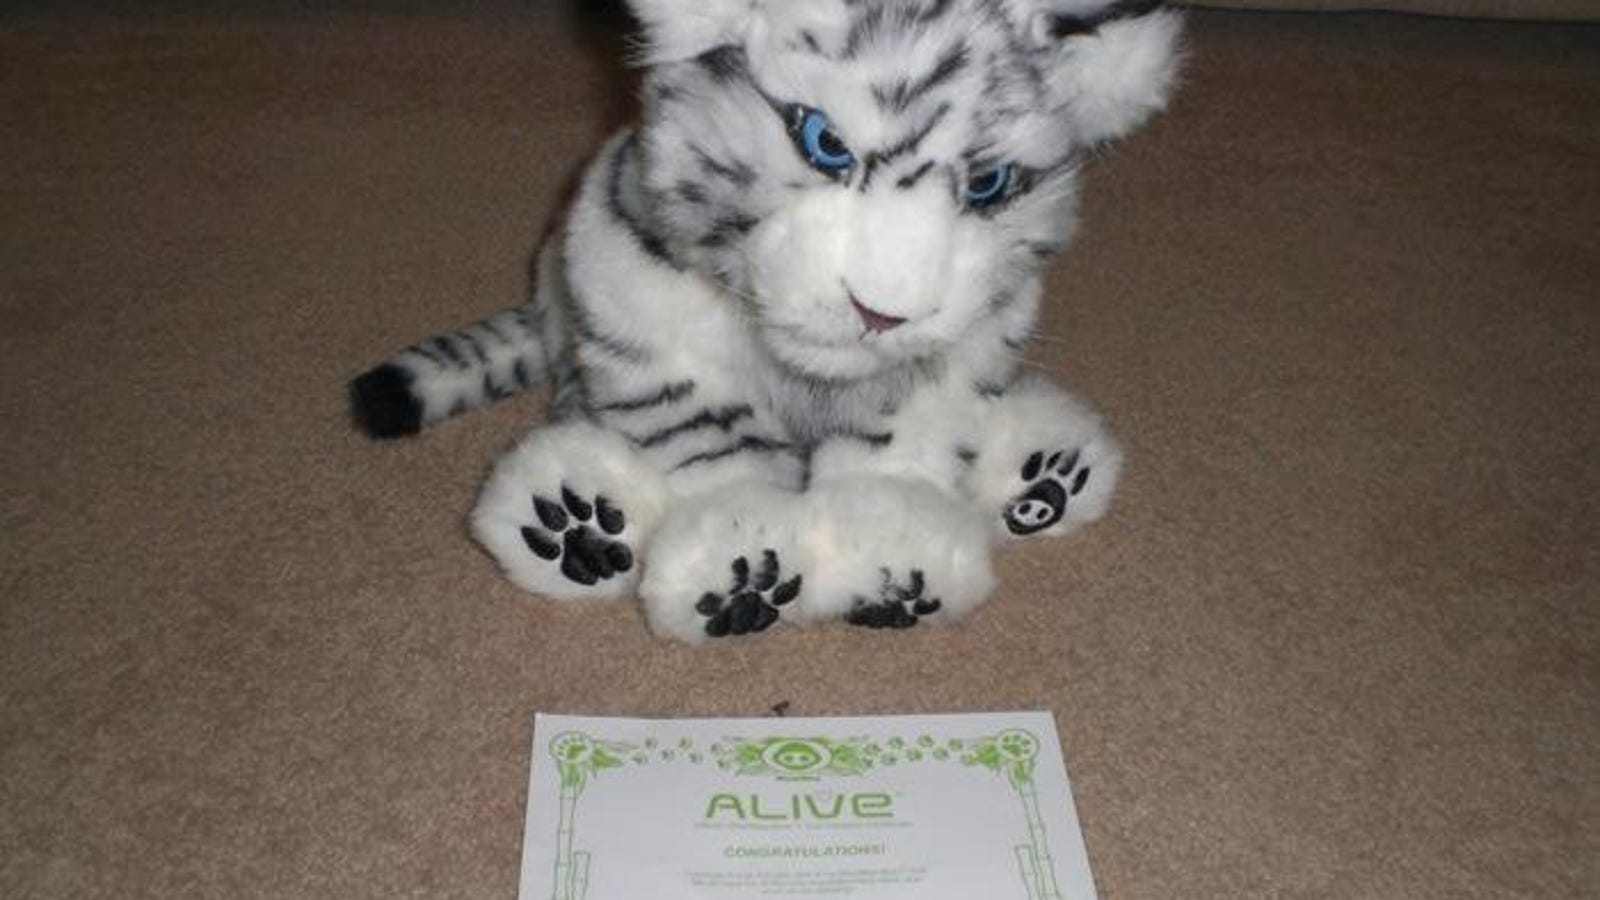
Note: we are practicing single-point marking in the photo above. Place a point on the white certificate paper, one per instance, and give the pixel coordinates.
(951, 807)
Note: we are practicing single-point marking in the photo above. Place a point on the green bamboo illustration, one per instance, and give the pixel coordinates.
(578, 758)
(1013, 753)
(1029, 867)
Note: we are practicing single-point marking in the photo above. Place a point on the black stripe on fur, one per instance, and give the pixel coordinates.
(738, 173)
(724, 64)
(650, 242)
(748, 444)
(670, 393)
(583, 324)
(900, 96)
(1065, 26)
(908, 182)
(872, 439)
(722, 418)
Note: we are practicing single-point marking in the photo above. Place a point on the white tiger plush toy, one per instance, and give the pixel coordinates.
(784, 322)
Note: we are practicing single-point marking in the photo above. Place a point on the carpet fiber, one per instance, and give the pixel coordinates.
(1338, 638)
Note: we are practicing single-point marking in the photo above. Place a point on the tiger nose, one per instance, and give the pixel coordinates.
(874, 320)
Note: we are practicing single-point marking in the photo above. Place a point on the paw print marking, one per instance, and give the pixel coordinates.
(581, 535)
(1017, 745)
(752, 603)
(1051, 483)
(897, 605)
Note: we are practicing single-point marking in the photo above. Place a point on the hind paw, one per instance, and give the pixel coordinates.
(896, 605)
(726, 564)
(752, 603)
(581, 536)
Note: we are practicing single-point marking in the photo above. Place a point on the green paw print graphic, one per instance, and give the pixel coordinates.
(1017, 746)
(571, 748)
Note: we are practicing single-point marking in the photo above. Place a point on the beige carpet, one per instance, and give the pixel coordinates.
(1339, 638)
(1534, 10)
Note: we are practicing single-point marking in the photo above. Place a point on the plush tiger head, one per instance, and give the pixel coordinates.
(874, 176)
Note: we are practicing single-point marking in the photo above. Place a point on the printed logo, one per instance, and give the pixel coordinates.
(797, 757)
(822, 806)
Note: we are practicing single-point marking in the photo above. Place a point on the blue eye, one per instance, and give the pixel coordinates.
(818, 142)
(988, 187)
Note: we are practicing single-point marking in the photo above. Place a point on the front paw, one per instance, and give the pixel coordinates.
(1051, 483)
(1046, 464)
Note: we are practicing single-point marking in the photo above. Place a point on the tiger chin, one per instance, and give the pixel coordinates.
(784, 319)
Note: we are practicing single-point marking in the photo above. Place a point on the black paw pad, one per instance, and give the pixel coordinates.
(752, 603)
(1051, 483)
(897, 605)
(580, 534)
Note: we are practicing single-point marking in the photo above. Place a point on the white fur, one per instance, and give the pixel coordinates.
(1035, 415)
(588, 460)
(926, 428)
(1118, 78)
(901, 253)
(858, 530)
(692, 552)
(701, 305)
(843, 539)
(679, 29)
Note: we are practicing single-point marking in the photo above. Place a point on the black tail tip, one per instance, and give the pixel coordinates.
(382, 403)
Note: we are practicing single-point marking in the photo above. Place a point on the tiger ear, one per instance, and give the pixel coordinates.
(682, 29)
(1111, 64)
(1049, 21)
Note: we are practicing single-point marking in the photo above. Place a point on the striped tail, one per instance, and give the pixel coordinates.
(450, 373)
